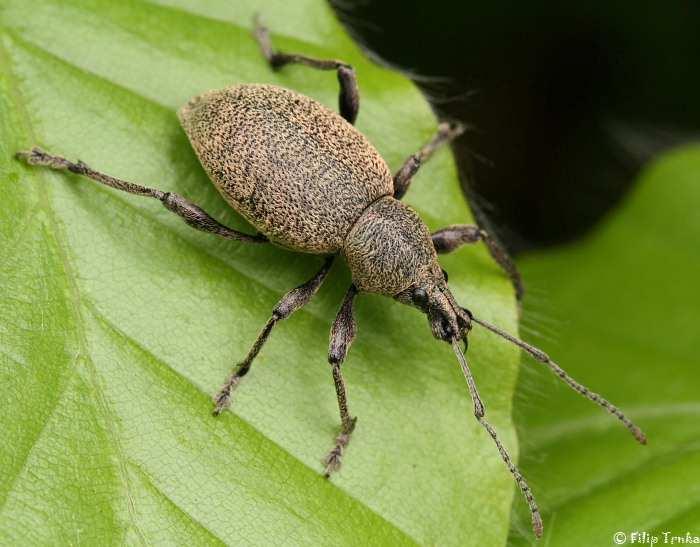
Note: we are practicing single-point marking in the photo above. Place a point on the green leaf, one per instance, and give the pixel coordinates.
(620, 311)
(119, 322)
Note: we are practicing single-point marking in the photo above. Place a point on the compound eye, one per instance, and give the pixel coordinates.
(444, 274)
(420, 296)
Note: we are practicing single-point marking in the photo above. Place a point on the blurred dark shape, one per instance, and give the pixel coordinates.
(568, 100)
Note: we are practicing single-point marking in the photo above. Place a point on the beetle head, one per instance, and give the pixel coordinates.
(390, 251)
(432, 296)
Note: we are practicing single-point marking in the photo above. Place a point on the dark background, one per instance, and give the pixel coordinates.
(566, 100)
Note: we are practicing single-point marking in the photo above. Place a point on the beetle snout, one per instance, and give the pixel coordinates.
(443, 320)
(448, 320)
(444, 328)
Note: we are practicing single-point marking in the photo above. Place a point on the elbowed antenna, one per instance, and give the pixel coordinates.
(479, 412)
(542, 357)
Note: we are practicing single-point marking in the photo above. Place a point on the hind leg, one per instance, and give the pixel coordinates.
(189, 212)
(349, 98)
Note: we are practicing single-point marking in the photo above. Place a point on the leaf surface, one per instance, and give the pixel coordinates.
(620, 312)
(119, 322)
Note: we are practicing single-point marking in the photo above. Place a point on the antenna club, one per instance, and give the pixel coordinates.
(537, 525)
(639, 435)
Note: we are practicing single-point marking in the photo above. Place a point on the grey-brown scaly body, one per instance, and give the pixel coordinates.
(389, 249)
(296, 170)
(307, 180)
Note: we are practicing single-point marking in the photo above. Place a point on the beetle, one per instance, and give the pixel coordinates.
(308, 181)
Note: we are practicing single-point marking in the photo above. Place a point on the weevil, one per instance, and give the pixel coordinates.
(308, 181)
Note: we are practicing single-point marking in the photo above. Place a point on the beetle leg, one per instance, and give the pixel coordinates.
(290, 302)
(451, 238)
(447, 131)
(192, 214)
(342, 334)
(349, 97)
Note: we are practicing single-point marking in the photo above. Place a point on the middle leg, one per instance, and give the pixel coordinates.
(290, 302)
(446, 132)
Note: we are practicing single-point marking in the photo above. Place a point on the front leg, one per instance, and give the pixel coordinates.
(342, 334)
(451, 238)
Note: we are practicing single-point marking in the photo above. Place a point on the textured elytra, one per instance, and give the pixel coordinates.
(296, 170)
(389, 249)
